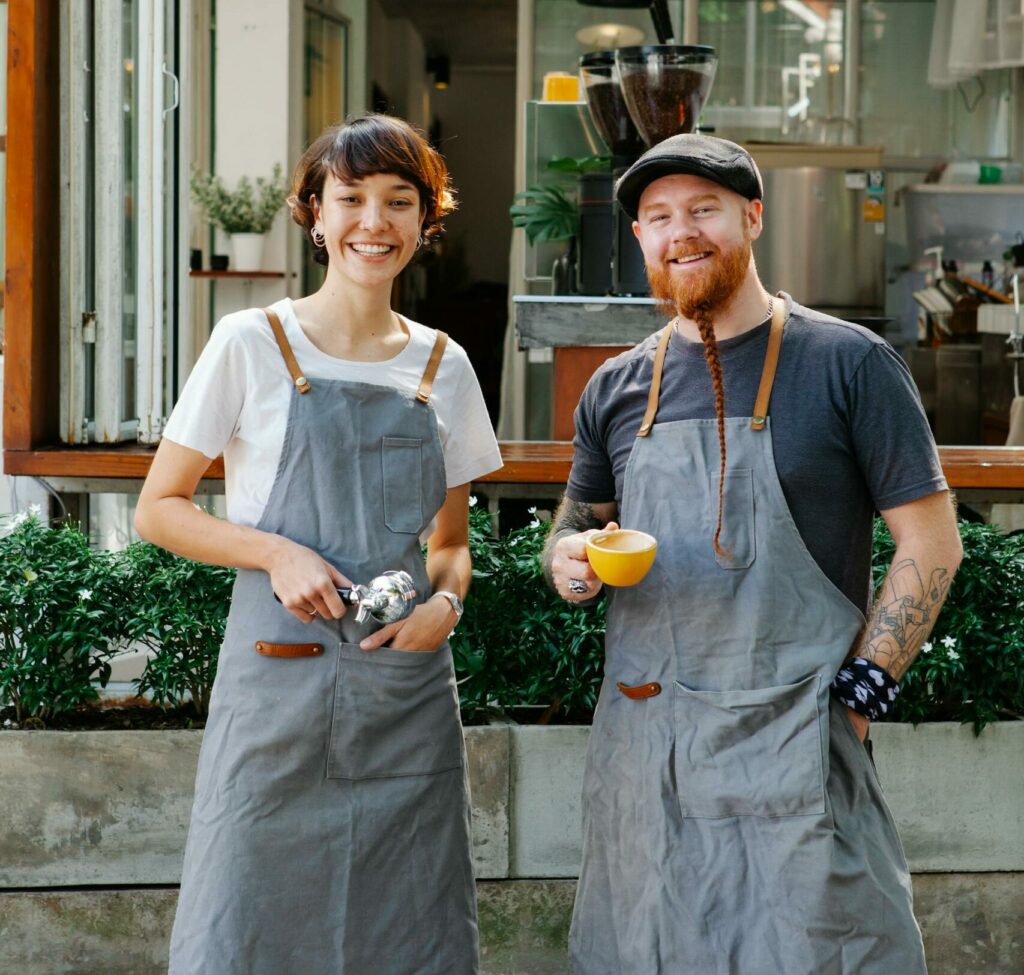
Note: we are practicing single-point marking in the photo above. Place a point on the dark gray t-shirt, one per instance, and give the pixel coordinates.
(848, 431)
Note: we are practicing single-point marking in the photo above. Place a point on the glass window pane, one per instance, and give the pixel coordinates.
(556, 23)
(970, 120)
(129, 263)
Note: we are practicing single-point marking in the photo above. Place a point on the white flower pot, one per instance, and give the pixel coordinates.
(247, 252)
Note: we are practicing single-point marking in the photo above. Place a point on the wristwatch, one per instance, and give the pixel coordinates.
(454, 600)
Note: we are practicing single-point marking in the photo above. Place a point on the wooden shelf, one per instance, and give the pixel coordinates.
(236, 274)
(526, 462)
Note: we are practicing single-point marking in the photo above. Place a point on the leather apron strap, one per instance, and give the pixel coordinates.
(764, 389)
(440, 343)
(771, 361)
(301, 382)
(655, 391)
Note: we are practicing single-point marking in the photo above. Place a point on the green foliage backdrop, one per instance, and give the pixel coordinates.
(66, 610)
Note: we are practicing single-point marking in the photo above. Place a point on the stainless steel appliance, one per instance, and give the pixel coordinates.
(820, 242)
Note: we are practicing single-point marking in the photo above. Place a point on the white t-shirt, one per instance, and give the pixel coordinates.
(237, 397)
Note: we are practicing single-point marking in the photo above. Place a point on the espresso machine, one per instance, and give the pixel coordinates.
(637, 97)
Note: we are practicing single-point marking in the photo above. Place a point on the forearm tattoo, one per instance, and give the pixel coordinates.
(904, 613)
(570, 518)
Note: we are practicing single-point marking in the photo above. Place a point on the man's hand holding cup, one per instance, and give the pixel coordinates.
(574, 579)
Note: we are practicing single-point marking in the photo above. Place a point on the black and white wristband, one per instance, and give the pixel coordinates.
(866, 688)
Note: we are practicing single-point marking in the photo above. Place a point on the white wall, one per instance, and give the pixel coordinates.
(254, 103)
(258, 99)
(478, 128)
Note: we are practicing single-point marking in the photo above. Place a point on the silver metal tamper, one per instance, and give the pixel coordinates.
(388, 598)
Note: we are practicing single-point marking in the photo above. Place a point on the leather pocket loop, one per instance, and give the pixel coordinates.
(289, 649)
(396, 713)
(402, 468)
(749, 753)
(737, 537)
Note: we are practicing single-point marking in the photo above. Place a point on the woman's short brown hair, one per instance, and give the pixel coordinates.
(365, 146)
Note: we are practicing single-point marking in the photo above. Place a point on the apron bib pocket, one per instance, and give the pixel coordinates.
(396, 713)
(403, 490)
(737, 518)
(749, 753)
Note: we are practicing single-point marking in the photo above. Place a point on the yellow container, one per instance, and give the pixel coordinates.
(621, 557)
(560, 86)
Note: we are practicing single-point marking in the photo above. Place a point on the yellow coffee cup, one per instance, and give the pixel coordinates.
(621, 557)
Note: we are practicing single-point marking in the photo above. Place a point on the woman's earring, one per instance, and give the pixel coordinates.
(419, 242)
(318, 237)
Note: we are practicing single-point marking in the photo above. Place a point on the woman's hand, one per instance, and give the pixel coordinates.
(306, 585)
(426, 628)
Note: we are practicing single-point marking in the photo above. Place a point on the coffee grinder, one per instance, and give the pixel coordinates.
(637, 96)
(606, 240)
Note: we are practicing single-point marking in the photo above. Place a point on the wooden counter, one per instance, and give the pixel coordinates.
(526, 462)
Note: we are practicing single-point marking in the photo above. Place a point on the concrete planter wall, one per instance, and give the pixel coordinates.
(109, 811)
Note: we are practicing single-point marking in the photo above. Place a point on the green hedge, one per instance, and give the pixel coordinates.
(67, 610)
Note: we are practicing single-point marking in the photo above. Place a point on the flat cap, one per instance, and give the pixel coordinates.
(719, 160)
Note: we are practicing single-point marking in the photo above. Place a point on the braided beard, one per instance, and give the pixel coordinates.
(698, 295)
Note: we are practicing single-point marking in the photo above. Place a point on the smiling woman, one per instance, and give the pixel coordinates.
(344, 156)
(330, 830)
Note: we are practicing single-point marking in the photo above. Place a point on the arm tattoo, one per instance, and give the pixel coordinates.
(570, 518)
(904, 614)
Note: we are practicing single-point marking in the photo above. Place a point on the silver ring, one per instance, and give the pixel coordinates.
(312, 612)
(578, 586)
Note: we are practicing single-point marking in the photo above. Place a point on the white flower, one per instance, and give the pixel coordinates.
(532, 510)
(927, 647)
(472, 500)
(35, 510)
(20, 518)
(30, 576)
(948, 642)
(953, 655)
(85, 595)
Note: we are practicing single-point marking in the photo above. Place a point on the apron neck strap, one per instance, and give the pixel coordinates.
(764, 390)
(301, 382)
(423, 393)
(771, 361)
(655, 391)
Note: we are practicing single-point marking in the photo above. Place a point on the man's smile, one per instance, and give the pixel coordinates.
(686, 259)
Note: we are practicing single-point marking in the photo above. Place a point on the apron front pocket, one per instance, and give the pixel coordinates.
(737, 537)
(402, 466)
(396, 713)
(749, 753)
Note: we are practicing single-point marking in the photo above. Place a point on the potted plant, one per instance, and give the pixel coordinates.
(245, 213)
(546, 213)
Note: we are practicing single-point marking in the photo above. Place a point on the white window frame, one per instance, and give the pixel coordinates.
(161, 265)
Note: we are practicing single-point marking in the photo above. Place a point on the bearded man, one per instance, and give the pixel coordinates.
(733, 820)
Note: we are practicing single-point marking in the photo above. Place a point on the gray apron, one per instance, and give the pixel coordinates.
(330, 828)
(733, 822)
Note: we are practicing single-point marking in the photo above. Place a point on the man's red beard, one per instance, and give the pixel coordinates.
(703, 291)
